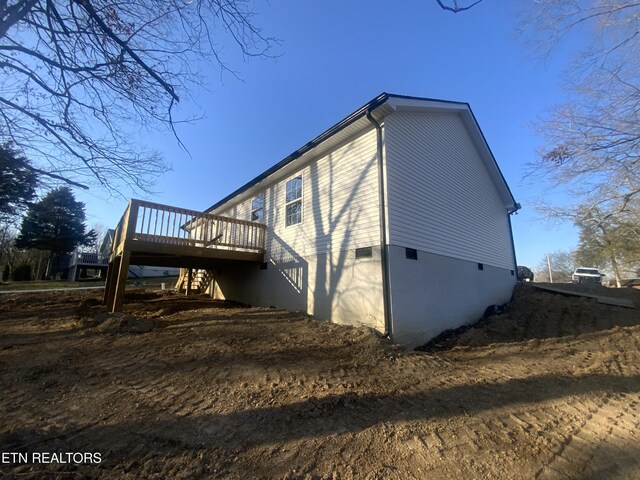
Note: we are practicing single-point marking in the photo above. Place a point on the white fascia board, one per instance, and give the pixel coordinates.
(418, 106)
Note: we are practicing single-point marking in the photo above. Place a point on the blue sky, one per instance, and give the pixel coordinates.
(336, 56)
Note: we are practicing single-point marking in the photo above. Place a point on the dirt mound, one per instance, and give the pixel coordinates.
(537, 314)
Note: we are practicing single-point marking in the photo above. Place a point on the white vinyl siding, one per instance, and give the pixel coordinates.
(441, 198)
(339, 207)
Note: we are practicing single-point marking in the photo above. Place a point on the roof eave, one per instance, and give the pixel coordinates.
(397, 103)
(341, 125)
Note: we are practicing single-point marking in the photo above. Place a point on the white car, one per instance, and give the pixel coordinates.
(586, 275)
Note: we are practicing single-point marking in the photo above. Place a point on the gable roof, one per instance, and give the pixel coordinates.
(381, 106)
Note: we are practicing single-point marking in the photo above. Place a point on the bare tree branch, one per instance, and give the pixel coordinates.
(455, 7)
(76, 76)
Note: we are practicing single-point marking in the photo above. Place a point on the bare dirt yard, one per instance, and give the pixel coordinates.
(181, 387)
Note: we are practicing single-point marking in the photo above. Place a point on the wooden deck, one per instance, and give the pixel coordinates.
(162, 235)
(91, 260)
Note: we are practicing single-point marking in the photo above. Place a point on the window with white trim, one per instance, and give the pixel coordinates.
(293, 201)
(257, 208)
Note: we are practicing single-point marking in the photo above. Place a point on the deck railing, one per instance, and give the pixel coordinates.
(89, 258)
(154, 222)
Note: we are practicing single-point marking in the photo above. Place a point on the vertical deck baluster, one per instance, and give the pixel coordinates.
(144, 210)
(245, 236)
(173, 228)
(194, 228)
(258, 234)
(206, 230)
(155, 224)
(149, 222)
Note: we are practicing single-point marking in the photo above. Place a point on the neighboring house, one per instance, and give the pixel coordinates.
(79, 263)
(397, 218)
(100, 261)
(107, 242)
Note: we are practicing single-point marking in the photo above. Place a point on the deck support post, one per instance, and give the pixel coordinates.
(72, 273)
(110, 283)
(189, 279)
(121, 282)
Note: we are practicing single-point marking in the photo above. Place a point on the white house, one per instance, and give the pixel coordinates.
(397, 217)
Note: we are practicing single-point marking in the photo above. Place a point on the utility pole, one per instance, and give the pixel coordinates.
(549, 267)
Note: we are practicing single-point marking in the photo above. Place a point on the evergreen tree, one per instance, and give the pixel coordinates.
(55, 224)
(18, 182)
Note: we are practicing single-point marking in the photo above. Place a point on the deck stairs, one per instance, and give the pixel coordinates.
(200, 281)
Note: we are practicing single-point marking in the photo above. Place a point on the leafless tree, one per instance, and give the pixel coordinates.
(562, 266)
(593, 140)
(80, 78)
(100, 231)
(456, 6)
(605, 241)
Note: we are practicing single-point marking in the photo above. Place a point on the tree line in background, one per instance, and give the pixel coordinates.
(563, 263)
(49, 227)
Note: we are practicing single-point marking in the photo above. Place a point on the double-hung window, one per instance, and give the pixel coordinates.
(293, 201)
(257, 208)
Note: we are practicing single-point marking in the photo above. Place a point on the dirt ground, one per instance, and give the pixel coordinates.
(187, 388)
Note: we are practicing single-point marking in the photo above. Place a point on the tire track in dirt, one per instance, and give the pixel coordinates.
(610, 423)
(201, 397)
